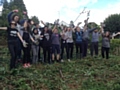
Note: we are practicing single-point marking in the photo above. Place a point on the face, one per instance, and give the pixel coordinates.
(37, 26)
(46, 29)
(68, 29)
(95, 30)
(13, 24)
(85, 27)
(35, 31)
(78, 29)
(107, 33)
(25, 24)
(16, 18)
(55, 31)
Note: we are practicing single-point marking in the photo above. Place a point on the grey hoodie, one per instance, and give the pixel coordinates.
(86, 34)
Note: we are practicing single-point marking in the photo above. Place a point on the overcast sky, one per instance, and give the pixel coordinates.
(67, 10)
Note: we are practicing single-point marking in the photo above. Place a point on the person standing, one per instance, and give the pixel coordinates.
(55, 39)
(46, 42)
(69, 42)
(86, 37)
(95, 42)
(35, 46)
(105, 44)
(63, 42)
(12, 35)
(12, 16)
(78, 41)
(26, 50)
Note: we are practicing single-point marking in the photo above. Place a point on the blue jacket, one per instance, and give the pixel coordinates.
(78, 36)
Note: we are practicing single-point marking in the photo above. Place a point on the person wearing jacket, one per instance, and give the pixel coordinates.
(78, 41)
(12, 35)
(86, 38)
(12, 16)
(46, 41)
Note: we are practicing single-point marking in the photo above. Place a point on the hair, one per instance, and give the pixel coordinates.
(34, 30)
(12, 23)
(29, 21)
(14, 17)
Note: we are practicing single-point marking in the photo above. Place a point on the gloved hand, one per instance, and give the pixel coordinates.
(36, 42)
(24, 44)
(37, 36)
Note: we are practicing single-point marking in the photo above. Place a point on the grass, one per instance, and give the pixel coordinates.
(86, 74)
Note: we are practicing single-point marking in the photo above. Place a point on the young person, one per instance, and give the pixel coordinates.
(63, 42)
(46, 42)
(105, 44)
(12, 34)
(40, 30)
(55, 39)
(86, 37)
(78, 41)
(26, 50)
(95, 42)
(35, 46)
(12, 16)
(69, 42)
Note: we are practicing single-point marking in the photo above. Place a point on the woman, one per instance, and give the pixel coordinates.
(78, 41)
(69, 42)
(105, 44)
(35, 46)
(55, 39)
(12, 16)
(26, 50)
(46, 42)
(63, 42)
(12, 34)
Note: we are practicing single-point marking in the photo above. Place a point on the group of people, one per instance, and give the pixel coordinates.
(27, 36)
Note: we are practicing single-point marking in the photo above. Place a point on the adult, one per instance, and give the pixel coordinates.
(12, 35)
(46, 41)
(55, 39)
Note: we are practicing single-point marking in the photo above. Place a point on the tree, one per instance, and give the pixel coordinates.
(9, 6)
(35, 19)
(112, 23)
(92, 25)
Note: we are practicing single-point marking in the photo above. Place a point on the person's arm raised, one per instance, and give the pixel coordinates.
(73, 29)
(10, 14)
(3, 28)
(43, 23)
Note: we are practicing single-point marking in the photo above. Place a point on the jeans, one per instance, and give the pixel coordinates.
(26, 54)
(105, 50)
(85, 47)
(46, 53)
(94, 48)
(63, 46)
(19, 49)
(35, 49)
(12, 46)
(69, 50)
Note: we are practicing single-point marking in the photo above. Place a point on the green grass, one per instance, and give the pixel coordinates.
(86, 74)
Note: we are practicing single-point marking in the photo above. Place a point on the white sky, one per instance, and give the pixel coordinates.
(67, 10)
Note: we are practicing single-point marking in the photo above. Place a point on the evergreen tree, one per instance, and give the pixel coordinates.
(112, 23)
(35, 19)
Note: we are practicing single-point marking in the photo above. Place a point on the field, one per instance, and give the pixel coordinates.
(86, 74)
